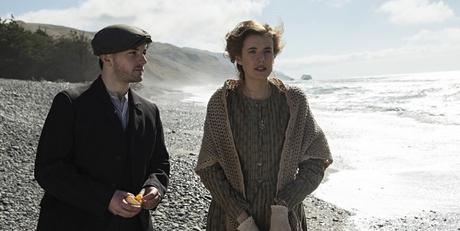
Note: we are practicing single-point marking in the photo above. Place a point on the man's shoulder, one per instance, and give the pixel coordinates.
(76, 92)
(86, 90)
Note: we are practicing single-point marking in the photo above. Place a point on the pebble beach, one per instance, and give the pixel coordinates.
(23, 109)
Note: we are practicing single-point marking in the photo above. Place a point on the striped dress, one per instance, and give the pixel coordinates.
(258, 129)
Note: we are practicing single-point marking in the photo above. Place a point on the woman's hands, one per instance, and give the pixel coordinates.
(248, 225)
(279, 220)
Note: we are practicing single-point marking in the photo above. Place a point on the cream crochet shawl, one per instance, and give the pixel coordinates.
(304, 139)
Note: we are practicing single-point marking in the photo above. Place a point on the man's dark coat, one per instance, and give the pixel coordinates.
(84, 155)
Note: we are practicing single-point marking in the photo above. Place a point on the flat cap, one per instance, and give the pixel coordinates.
(116, 38)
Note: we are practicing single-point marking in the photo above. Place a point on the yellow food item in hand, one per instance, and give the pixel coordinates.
(134, 200)
(138, 197)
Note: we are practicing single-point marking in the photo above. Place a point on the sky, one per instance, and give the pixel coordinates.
(323, 38)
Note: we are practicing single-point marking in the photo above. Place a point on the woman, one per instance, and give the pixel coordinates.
(262, 152)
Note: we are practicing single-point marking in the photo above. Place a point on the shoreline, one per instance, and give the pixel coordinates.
(382, 191)
(23, 109)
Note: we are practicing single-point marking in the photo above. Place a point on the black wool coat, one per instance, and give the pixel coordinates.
(84, 155)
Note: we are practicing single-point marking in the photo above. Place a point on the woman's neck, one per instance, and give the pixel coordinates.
(258, 90)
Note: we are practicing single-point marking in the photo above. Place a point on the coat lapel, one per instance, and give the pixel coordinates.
(102, 98)
(136, 120)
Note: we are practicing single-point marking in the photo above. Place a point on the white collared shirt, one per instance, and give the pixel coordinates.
(121, 108)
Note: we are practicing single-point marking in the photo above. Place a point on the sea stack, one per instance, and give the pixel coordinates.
(305, 77)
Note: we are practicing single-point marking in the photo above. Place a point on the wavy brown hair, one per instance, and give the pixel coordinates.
(236, 37)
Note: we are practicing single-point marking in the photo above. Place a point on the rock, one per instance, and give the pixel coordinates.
(306, 77)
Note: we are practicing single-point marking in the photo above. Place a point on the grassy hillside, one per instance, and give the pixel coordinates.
(168, 64)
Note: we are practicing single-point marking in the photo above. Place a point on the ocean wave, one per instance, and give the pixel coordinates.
(432, 118)
(418, 115)
(455, 96)
(421, 113)
(374, 108)
(325, 90)
(427, 99)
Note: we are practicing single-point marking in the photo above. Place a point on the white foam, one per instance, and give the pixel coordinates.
(391, 166)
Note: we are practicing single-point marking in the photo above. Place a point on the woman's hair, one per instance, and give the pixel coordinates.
(236, 37)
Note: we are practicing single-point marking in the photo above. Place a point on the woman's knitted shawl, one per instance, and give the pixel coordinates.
(304, 139)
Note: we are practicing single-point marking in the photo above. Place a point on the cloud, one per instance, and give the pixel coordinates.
(425, 43)
(444, 37)
(193, 23)
(406, 12)
(349, 57)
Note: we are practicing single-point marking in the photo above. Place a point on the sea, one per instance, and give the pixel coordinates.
(395, 141)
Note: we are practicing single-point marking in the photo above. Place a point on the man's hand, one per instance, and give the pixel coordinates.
(120, 207)
(151, 197)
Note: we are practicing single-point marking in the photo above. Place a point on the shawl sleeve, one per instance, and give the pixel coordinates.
(311, 159)
(308, 178)
(207, 157)
(214, 180)
(314, 142)
(209, 169)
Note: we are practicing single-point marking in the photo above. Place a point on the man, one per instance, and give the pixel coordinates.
(103, 142)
